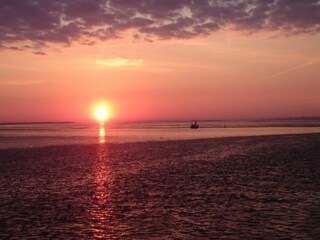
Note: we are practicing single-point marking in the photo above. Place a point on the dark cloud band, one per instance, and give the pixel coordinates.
(42, 22)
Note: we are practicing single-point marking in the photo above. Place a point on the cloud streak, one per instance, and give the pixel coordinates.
(306, 64)
(43, 22)
(120, 62)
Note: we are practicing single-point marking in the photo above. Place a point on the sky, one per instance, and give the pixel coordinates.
(159, 59)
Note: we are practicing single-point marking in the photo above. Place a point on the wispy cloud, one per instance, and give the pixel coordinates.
(120, 62)
(40, 53)
(306, 64)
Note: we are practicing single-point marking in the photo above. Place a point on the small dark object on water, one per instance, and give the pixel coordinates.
(194, 125)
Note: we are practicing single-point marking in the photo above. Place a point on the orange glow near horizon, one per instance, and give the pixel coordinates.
(225, 76)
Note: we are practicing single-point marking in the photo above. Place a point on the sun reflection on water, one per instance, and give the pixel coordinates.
(102, 133)
(101, 209)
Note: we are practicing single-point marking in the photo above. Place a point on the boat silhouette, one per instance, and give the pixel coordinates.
(194, 125)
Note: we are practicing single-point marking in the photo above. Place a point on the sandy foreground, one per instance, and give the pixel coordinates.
(233, 188)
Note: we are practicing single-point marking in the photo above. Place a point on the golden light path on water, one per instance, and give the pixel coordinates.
(102, 133)
(101, 210)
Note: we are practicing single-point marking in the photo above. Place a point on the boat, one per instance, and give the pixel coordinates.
(194, 125)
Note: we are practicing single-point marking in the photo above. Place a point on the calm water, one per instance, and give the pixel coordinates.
(37, 135)
(127, 181)
(239, 188)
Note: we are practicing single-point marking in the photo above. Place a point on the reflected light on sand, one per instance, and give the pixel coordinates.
(102, 133)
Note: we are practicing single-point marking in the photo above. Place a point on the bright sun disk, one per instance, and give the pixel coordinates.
(101, 114)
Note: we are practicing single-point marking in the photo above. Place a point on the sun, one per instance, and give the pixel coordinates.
(101, 114)
(102, 111)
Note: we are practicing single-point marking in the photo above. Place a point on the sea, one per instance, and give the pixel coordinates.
(161, 180)
(29, 135)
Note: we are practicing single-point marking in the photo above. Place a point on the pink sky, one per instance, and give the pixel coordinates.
(236, 67)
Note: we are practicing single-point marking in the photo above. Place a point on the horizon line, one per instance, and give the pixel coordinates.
(163, 120)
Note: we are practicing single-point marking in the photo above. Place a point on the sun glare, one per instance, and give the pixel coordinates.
(102, 111)
(101, 114)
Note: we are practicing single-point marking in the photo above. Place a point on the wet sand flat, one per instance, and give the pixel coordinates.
(229, 188)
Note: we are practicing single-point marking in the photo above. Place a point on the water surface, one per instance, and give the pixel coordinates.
(37, 135)
(230, 188)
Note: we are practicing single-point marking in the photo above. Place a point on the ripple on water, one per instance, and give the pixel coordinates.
(227, 188)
